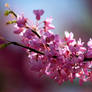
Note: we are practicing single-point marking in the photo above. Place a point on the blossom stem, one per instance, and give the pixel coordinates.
(31, 49)
(13, 13)
(34, 32)
(88, 59)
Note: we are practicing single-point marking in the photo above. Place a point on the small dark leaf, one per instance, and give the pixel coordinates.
(4, 45)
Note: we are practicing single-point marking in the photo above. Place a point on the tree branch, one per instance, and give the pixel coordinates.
(31, 49)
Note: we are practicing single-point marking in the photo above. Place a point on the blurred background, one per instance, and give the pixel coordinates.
(15, 74)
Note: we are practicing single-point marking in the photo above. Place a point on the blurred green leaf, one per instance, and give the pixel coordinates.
(7, 12)
(11, 22)
(4, 45)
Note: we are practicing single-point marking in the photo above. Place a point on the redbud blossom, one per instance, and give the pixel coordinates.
(38, 13)
(48, 25)
(61, 59)
(21, 21)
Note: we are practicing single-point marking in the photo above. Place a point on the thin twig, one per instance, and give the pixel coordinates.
(33, 31)
(13, 13)
(31, 49)
(88, 59)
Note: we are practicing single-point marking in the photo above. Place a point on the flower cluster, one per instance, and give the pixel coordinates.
(59, 59)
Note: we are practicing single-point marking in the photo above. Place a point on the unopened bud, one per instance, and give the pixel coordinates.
(7, 5)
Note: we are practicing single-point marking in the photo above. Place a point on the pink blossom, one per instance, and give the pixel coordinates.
(38, 13)
(89, 52)
(90, 43)
(48, 25)
(69, 38)
(21, 21)
(63, 59)
(18, 30)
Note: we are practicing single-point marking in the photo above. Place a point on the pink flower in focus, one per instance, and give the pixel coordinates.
(28, 34)
(38, 13)
(80, 49)
(89, 52)
(48, 25)
(90, 43)
(69, 38)
(21, 21)
(18, 30)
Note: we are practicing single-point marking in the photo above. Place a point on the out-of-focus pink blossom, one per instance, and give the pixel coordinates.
(38, 13)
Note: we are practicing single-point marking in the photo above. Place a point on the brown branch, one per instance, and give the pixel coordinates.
(36, 33)
(12, 12)
(87, 59)
(33, 31)
(31, 49)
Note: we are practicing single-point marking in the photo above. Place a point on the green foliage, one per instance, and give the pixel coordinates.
(7, 12)
(11, 22)
(4, 45)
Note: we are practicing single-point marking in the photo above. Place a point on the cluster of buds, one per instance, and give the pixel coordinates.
(59, 59)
